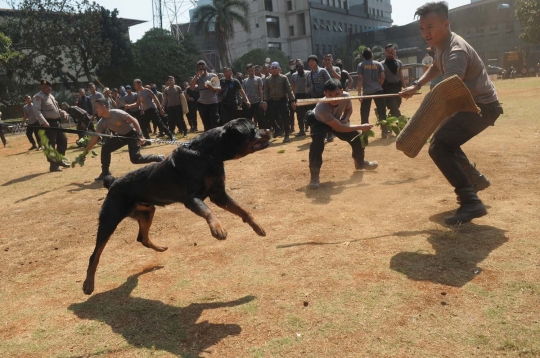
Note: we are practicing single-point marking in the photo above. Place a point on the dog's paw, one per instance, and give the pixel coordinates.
(218, 231)
(259, 230)
(88, 287)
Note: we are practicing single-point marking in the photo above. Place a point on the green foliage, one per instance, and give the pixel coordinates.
(393, 124)
(7, 54)
(80, 35)
(219, 18)
(364, 137)
(257, 57)
(528, 14)
(48, 150)
(83, 142)
(159, 55)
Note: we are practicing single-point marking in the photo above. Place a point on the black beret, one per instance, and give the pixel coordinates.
(45, 82)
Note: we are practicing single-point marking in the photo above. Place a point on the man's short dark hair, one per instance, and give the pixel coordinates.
(257, 67)
(367, 54)
(226, 69)
(27, 96)
(249, 65)
(332, 84)
(170, 78)
(389, 46)
(91, 84)
(137, 81)
(314, 58)
(102, 102)
(201, 62)
(440, 8)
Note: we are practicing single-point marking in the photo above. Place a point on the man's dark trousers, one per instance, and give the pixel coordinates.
(254, 113)
(116, 143)
(392, 103)
(365, 107)
(33, 131)
(228, 112)
(192, 115)
(209, 115)
(152, 115)
(57, 140)
(318, 135)
(279, 114)
(176, 119)
(301, 111)
(445, 146)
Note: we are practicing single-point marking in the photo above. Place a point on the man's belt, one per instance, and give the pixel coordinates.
(52, 119)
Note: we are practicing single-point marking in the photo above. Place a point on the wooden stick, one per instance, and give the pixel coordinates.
(308, 101)
(101, 84)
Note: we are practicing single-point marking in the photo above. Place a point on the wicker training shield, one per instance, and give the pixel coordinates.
(446, 98)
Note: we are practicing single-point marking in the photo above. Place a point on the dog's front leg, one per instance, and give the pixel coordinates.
(199, 207)
(224, 201)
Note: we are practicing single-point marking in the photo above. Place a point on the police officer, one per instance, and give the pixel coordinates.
(80, 116)
(48, 115)
(29, 118)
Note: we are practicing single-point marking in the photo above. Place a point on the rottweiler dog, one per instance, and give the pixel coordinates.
(192, 173)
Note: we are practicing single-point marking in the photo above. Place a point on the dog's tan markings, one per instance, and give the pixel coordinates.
(88, 285)
(144, 214)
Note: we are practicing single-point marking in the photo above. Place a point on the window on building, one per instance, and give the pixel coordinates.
(301, 24)
(272, 26)
(276, 45)
(479, 31)
(493, 29)
(289, 5)
(378, 12)
(334, 3)
(335, 26)
(317, 49)
(323, 49)
(291, 31)
(268, 5)
(315, 24)
(340, 27)
(467, 33)
(510, 26)
(256, 21)
(328, 27)
(345, 4)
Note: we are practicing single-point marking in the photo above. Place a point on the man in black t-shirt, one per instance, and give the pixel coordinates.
(230, 87)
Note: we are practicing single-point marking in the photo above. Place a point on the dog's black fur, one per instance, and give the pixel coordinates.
(192, 173)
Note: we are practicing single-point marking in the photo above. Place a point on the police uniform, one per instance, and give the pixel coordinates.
(47, 111)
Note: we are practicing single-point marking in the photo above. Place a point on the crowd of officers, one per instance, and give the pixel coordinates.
(265, 94)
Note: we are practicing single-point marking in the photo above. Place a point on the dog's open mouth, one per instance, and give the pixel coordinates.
(261, 144)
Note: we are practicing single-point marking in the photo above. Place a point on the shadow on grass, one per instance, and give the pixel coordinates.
(155, 325)
(457, 253)
(379, 142)
(98, 184)
(24, 178)
(32, 196)
(323, 195)
(315, 243)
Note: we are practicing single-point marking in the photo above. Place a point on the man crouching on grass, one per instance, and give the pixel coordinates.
(124, 125)
(334, 117)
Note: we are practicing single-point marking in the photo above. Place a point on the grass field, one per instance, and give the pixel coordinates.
(362, 267)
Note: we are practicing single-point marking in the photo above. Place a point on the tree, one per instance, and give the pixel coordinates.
(528, 14)
(9, 59)
(220, 18)
(358, 54)
(159, 55)
(258, 57)
(77, 34)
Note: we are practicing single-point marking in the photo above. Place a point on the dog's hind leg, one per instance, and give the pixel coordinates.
(144, 214)
(114, 210)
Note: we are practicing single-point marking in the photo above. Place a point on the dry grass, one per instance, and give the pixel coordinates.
(360, 268)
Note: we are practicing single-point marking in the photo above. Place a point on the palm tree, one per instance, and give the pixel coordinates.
(358, 54)
(220, 18)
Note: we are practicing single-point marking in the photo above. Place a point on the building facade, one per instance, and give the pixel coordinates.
(300, 28)
(490, 26)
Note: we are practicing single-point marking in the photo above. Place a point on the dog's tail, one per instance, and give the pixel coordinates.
(108, 181)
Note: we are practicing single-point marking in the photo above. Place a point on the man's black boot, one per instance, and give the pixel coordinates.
(314, 181)
(477, 179)
(471, 207)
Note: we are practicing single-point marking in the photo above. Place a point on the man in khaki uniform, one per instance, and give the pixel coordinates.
(48, 115)
(175, 102)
